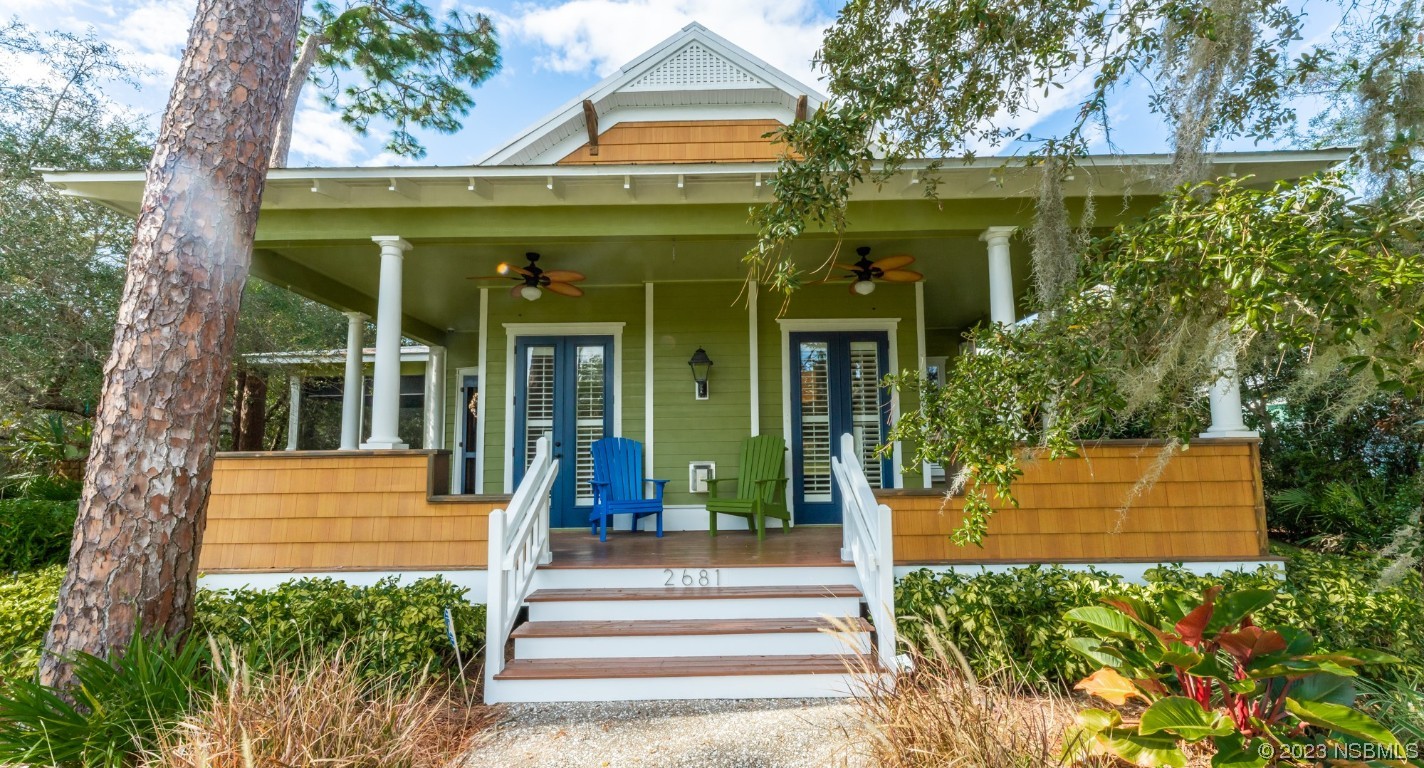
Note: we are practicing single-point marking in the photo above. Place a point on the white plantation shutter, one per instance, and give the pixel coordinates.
(816, 438)
(865, 416)
(590, 406)
(538, 398)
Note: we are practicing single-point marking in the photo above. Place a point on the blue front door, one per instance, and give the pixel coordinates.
(564, 389)
(835, 389)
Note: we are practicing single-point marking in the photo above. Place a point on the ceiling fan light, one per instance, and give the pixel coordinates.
(864, 287)
(530, 293)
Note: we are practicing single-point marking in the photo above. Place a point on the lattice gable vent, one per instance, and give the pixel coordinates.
(694, 66)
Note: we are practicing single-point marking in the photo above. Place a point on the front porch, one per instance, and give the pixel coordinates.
(345, 512)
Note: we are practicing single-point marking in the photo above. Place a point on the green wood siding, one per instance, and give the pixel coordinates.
(687, 316)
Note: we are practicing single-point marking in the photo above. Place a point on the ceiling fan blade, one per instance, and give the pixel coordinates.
(505, 269)
(516, 291)
(564, 275)
(565, 289)
(893, 262)
(852, 288)
(491, 277)
(846, 267)
(902, 276)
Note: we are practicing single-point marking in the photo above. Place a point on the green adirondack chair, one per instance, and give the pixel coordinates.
(760, 488)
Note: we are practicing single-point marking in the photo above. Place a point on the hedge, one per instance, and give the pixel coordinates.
(1011, 622)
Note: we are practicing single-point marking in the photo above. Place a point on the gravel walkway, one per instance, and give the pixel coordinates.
(778, 733)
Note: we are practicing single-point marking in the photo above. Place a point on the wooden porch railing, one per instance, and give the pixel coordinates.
(869, 543)
(518, 544)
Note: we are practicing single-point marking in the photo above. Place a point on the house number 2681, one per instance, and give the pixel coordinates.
(699, 578)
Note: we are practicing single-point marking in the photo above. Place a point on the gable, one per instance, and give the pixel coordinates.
(693, 98)
(694, 66)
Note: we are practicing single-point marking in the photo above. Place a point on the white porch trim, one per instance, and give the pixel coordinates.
(294, 410)
(483, 366)
(435, 399)
(889, 325)
(512, 331)
(755, 363)
(385, 399)
(649, 466)
(1001, 275)
(925, 467)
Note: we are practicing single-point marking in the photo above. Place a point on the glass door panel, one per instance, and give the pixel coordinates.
(563, 391)
(835, 390)
(815, 431)
(539, 381)
(866, 418)
(592, 414)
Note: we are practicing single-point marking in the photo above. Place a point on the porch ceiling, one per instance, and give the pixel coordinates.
(438, 298)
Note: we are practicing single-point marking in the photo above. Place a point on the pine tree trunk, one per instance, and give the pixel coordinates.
(140, 526)
(301, 70)
(253, 417)
(239, 388)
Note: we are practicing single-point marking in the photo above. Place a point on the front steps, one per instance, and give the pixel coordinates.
(619, 643)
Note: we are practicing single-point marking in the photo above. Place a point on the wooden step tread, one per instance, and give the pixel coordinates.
(679, 666)
(691, 593)
(686, 627)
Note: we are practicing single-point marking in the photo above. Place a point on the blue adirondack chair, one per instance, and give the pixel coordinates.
(619, 487)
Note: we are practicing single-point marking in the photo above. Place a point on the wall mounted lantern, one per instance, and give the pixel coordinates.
(700, 364)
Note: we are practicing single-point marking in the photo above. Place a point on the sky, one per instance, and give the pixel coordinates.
(552, 51)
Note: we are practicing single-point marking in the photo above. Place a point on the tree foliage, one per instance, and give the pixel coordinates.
(1132, 324)
(61, 258)
(392, 60)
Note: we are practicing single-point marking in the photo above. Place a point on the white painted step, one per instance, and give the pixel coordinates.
(704, 637)
(555, 577)
(652, 678)
(778, 602)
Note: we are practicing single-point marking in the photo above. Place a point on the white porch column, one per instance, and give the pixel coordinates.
(385, 397)
(435, 398)
(351, 394)
(1001, 275)
(294, 414)
(1225, 393)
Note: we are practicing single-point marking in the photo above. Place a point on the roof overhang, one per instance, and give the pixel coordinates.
(670, 184)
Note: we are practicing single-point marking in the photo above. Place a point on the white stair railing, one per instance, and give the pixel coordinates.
(518, 544)
(869, 544)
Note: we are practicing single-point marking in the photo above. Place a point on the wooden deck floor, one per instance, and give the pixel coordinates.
(802, 546)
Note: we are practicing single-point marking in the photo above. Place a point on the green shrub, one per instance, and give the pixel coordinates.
(1013, 621)
(34, 534)
(1398, 704)
(27, 603)
(387, 628)
(118, 711)
(1210, 673)
(41, 488)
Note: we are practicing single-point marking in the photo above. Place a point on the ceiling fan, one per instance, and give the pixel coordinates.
(531, 280)
(865, 272)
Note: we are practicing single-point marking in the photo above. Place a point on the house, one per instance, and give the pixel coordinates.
(622, 308)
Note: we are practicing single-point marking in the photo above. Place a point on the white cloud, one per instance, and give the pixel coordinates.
(602, 35)
(159, 26)
(154, 34)
(319, 136)
(386, 159)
